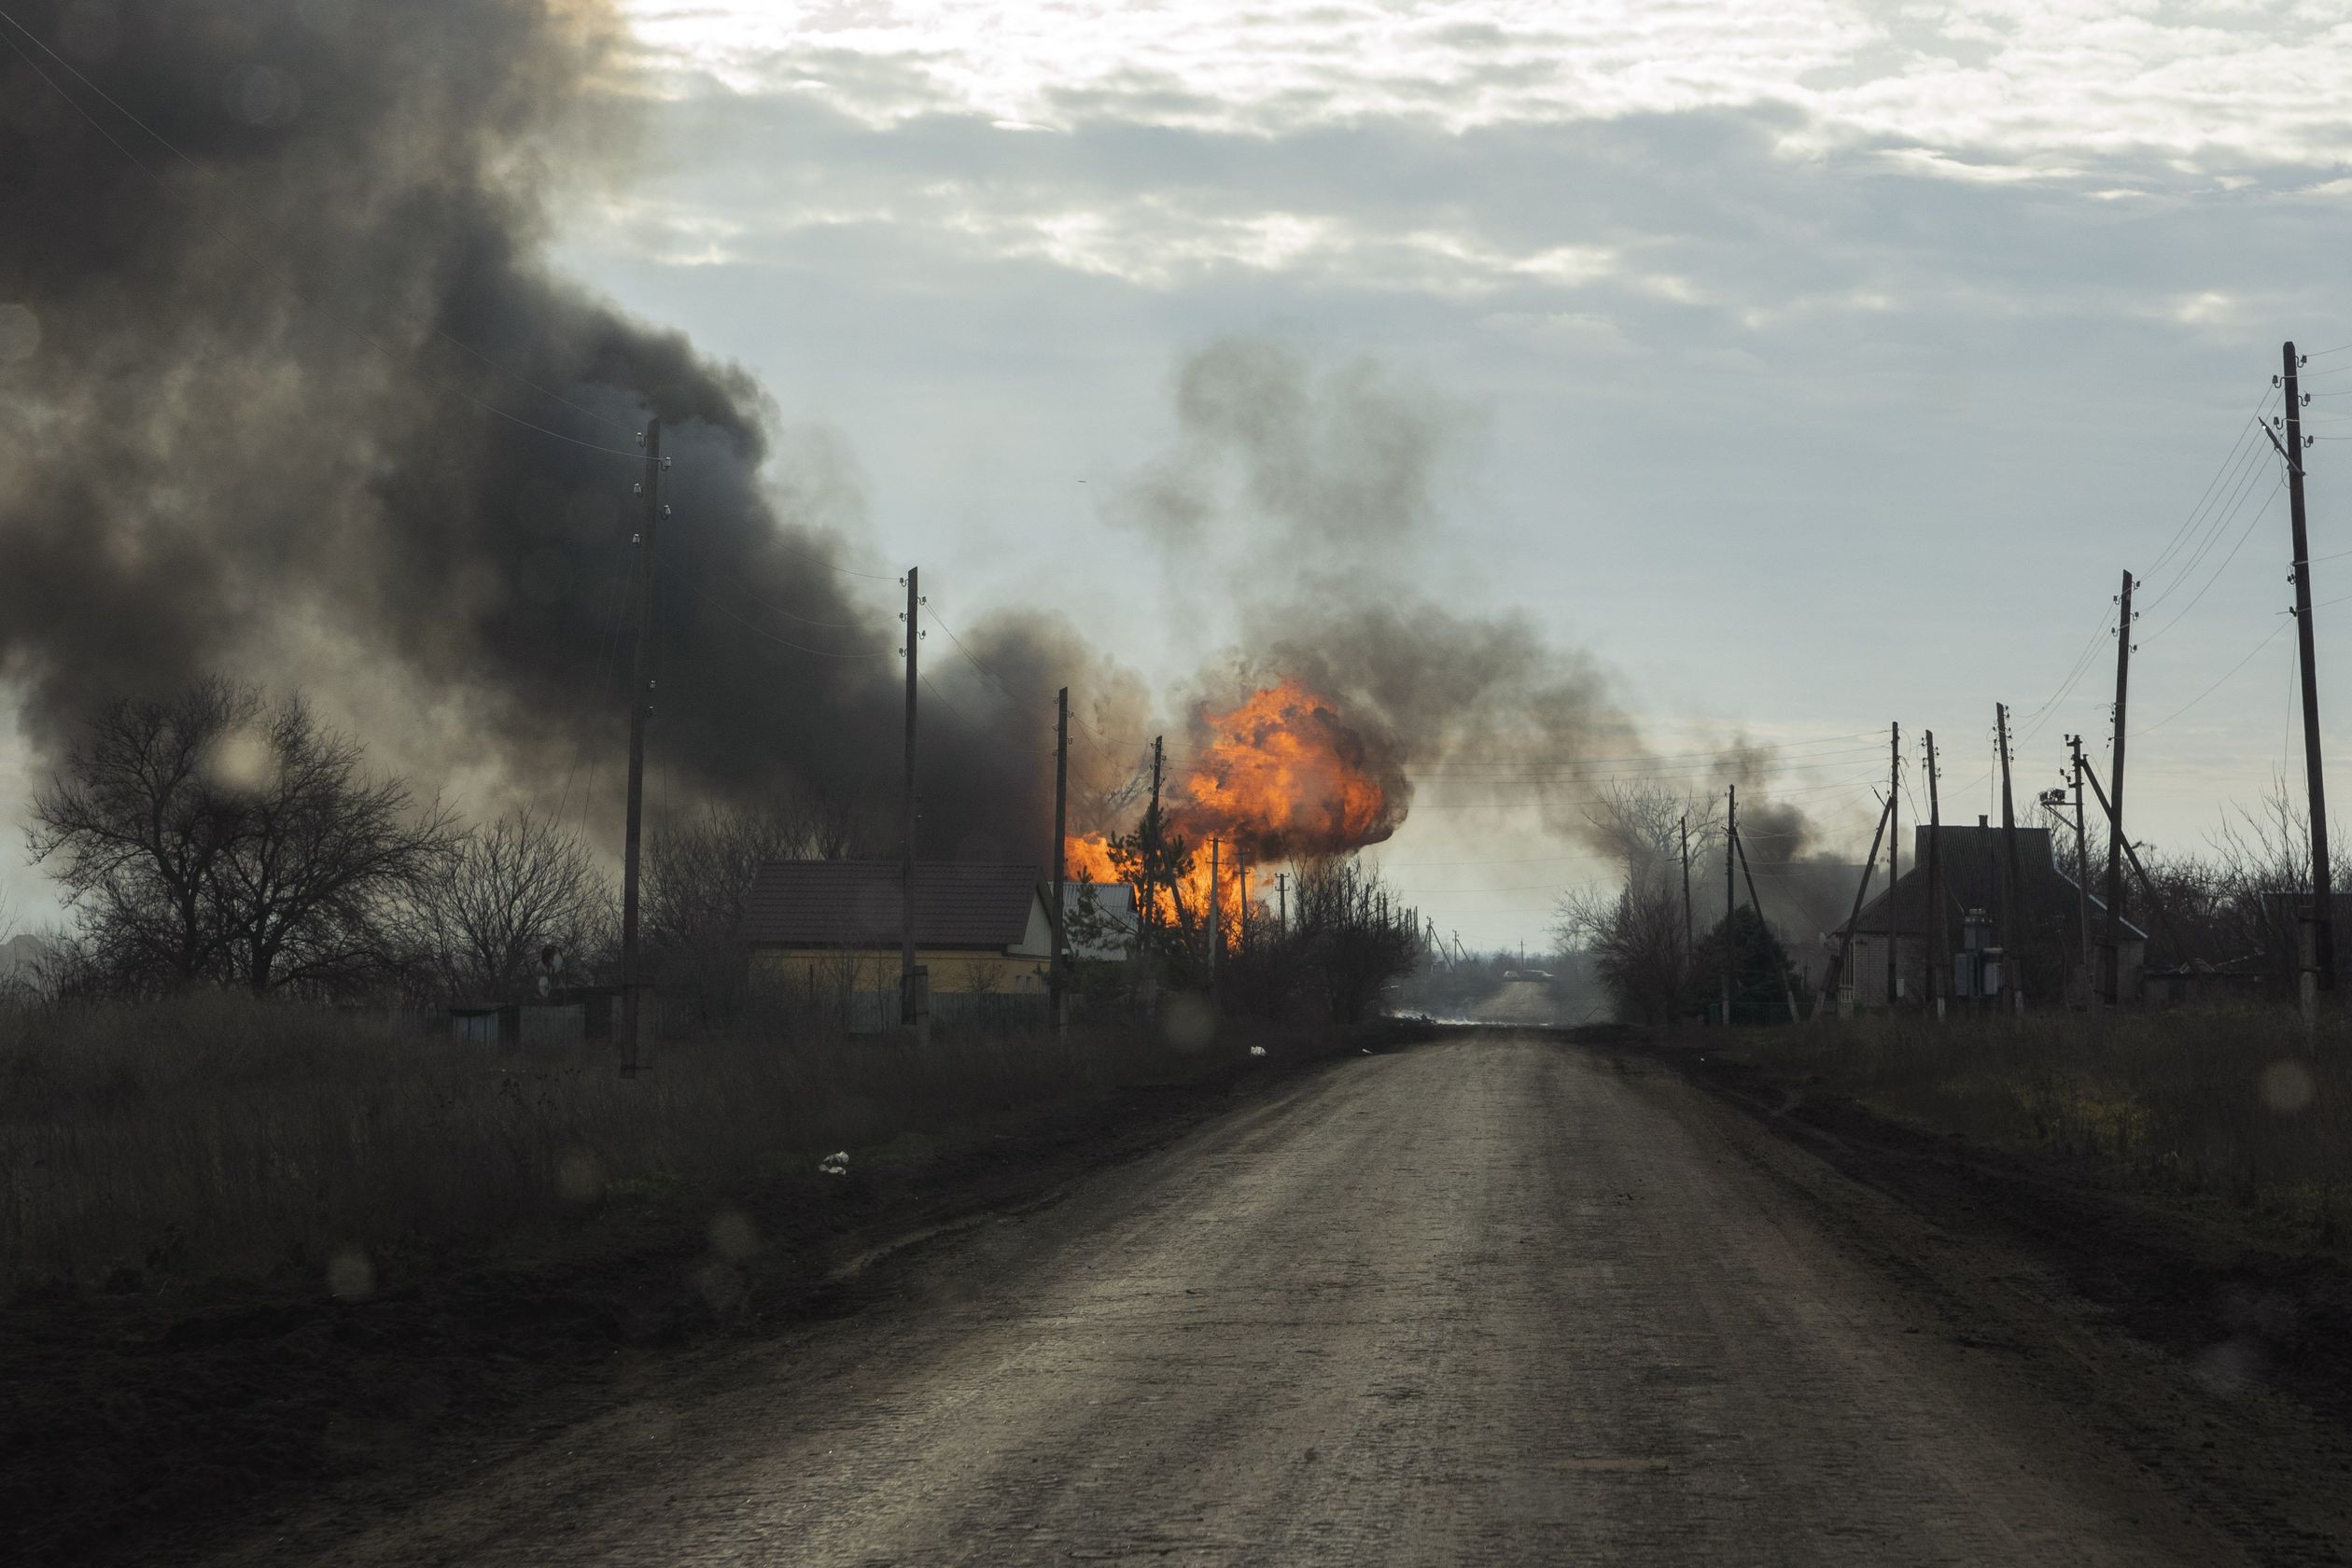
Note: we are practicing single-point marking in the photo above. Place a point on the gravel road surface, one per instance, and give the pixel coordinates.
(1496, 1299)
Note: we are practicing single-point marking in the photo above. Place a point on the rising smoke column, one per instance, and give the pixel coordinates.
(238, 429)
(1317, 482)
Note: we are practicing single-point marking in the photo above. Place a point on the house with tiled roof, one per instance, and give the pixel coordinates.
(2050, 919)
(980, 927)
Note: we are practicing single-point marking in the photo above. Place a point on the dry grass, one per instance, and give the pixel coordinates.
(2237, 1107)
(226, 1138)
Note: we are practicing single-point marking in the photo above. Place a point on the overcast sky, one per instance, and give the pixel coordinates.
(1816, 364)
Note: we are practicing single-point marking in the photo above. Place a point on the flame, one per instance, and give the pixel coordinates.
(1278, 777)
(1281, 777)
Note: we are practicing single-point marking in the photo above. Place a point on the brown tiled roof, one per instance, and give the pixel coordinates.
(1969, 871)
(855, 904)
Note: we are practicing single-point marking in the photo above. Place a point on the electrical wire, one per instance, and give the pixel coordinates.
(762, 631)
(2201, 697)
(2243, 535)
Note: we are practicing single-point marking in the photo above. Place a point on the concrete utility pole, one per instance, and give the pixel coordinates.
(1730, 905)
(641, 708)
(1939, 960)
(1057, 970)
(1894, 850)
(911, 1008)
(2111, 985)
(2082, 856)
(2319, 963)
(2012, 881)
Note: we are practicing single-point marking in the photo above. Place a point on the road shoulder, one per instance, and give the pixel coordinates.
(2219, 1365)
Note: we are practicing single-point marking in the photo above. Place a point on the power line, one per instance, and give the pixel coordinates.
(2243, 535)
(2201, 697)
(785, 642)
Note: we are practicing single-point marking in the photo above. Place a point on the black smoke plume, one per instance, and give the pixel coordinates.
(287, 389)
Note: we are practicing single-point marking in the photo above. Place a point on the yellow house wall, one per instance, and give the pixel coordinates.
(876, 970)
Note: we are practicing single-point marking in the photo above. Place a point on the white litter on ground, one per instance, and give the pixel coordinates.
(834, 1165)
(1258, 1050)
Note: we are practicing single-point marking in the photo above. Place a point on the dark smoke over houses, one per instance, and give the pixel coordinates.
(290, 392)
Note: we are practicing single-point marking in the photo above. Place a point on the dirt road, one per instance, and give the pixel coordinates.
(1498, 1299)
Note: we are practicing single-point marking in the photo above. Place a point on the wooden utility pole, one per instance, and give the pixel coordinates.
(1940, 959)
(1216, 934)
(1242, 858)
(2148, 884)
(1894, 850)
(2013, 969)
(2082, 858)
(1282, 907)
(1861, 893)
(911, 1009)
(1690, 929)
(1148, 910)
(2112, 979)
(641, 708)
(1730, 837)
(1147, 897)
(1789, 993)
(2320, 964)
(1057, 972)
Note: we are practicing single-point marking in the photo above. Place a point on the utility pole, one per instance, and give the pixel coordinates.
(2148, 884)
(2112, 977)
(2319, 965)
(1939, 960)
(641, 708)
(1147, 899)
(1056, 972)
(1789, 993)
(1149, 910)
(1282, 907)
(1731, 839)
(2082, 858)
(1216, 935)
(911, 1009)
(1241, 857)
(2013, 965)
(1894, 848)
(1861, 892)
(1690, 929)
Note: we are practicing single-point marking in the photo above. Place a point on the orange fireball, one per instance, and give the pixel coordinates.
(1280, 776)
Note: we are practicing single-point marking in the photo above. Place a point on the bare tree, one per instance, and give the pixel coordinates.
(505, 894)
(1638, 933)
(210, 836)
(324, 861)
(136, 826)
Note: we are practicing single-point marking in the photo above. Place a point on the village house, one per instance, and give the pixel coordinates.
(834, 927)
(2046, 926)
